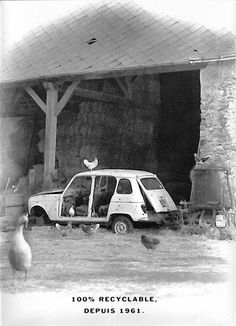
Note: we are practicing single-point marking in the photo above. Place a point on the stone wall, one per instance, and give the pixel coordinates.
(14, 146)
(218, 115)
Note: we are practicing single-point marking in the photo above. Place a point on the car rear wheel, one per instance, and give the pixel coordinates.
(122, 225)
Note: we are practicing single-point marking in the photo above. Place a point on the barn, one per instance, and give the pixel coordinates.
(113, 81)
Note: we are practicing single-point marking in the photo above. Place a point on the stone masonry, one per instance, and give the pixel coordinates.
(218, 115)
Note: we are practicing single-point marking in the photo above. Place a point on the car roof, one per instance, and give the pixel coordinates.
(118, 173)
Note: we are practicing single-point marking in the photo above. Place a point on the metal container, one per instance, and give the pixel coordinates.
(220, 221)
(14, 205)
(209, 185)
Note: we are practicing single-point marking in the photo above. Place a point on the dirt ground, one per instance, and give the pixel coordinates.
(189, 272)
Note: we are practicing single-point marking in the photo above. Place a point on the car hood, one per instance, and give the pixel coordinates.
(51, 192)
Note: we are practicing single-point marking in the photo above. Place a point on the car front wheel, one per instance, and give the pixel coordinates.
(122, 225)
(38, 216)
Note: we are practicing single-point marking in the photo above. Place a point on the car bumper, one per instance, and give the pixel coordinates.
(167, 218)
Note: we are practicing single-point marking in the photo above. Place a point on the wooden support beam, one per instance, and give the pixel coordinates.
(129, 85)
(50, 134)
(113, 73)
(52, 109)
(106, 98)
(36, 98)
(17, 98)
(122, 86)
(67, 95)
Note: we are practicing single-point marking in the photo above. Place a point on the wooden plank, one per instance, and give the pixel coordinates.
(113, 73)
(50, 134)
(129, 84)
(67, 95)
(17, 98)
(137, 71)
(36, 98)
(31, 181)
(122, 86)
(106, 98)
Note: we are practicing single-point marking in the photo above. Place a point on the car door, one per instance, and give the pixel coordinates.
(77, 198)
(156, 194)
(104, 188)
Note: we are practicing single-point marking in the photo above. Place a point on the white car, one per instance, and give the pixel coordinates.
(115, 197)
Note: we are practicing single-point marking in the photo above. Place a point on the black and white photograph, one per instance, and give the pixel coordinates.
(118, 163)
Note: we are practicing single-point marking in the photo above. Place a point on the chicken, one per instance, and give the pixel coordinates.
(14, 188)
(90, 229)
(148, 242)
(72, 211)
(204, 223)
(64, 230)
(19, 253)
(199, 159)
(91, 165)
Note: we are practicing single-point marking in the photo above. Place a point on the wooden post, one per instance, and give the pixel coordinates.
(52, 109)
(31, 181)
(50, 133)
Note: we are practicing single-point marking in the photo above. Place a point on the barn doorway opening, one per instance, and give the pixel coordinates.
(178, 130)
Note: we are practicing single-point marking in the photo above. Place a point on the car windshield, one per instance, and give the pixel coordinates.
(151, 183)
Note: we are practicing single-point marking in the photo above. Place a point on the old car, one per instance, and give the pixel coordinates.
(113, 197)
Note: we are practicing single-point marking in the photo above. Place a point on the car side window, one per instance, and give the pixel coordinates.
(124, 187)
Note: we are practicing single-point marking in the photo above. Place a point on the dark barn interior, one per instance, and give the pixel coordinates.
(179, 131)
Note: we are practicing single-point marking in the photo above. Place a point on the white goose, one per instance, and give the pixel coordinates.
(19, 253)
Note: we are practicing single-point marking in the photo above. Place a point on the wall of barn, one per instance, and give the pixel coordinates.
(10, 167)
(19, 150)
(160, 137)
(218, 115)
(119, 136)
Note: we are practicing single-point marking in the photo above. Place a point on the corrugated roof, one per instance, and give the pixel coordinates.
(110, 37)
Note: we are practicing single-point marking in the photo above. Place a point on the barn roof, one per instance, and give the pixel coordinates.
(110, 37)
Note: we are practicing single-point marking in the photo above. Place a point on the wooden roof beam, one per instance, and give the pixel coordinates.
(106, 98)
(36, 98)
(114, 73)
(66, 96)
(129, 84)
(122, 86)
(126, 85)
